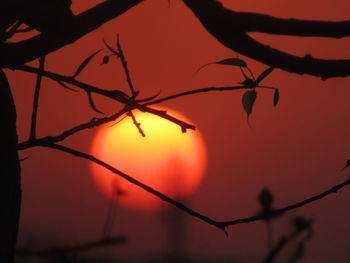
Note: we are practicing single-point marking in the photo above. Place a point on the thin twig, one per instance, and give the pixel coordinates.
(222, 225)
(333, 190)
(126, 69)
(137, 183)
(36, 99)
(107, 93)
(111, 241)
(196, 91)
(65, 134)
(137, 124)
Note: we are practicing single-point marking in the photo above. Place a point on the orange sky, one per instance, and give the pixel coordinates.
(296, 149)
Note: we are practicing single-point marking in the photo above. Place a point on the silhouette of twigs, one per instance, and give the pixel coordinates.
(131, 103)
(230, 28)
(222, 225)
(110, 241)
(120, 53)
(287, 239)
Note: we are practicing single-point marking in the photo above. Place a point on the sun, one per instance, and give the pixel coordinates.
(166, 159)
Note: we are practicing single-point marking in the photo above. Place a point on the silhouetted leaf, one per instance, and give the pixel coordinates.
(92, 104)
(265, 199)
(276, 97)
(248, 100)
(229, 61)
(66, 86)
(264, 74)
(105, 60)
(119, 95)
(232, 62)
(85, 63)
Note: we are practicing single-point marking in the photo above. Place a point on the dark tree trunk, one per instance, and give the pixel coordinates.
(10, 181)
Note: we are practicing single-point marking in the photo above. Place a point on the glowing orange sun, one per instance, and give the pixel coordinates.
(166, 159)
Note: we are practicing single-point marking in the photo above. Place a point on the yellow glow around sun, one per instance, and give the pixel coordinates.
(166, 159)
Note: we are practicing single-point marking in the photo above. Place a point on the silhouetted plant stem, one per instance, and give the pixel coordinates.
(10, 186)
(269, 235)
(137, 183)
(222, 225)
(110, 241)
(36, 99)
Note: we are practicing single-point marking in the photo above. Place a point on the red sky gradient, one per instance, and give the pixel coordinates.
(296, 149)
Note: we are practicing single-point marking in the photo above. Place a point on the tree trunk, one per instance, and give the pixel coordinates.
(10, 181)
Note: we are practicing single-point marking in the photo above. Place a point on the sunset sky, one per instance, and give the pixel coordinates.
(295, 149)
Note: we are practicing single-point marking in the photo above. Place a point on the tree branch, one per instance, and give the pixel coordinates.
(225, 26)
(12, 54)
(137, 183)
(222, 225)
(277, 212)
(110, 241)
(115, 95)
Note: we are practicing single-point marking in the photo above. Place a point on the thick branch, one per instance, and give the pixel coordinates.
(19, 53)
(225, 26)
(252, 22)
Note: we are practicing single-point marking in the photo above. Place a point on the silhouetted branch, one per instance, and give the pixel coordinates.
(36, 99)
(137, 183)
(306, 225)
(110, 241)
(222, 225)
(225, 25)
(333, 190)
(137, 124)
(114, 95)
(19, 53)
(119, 52)
(65, 134)
(196, 91)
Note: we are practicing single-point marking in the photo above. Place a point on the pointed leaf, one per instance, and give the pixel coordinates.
(119, 95)
(92, 104)
(85, 63)
(229, 61)
(232, 62)
(105, 60)
(248, 100)
(66, 86)
(264, 74)
(276, 97)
